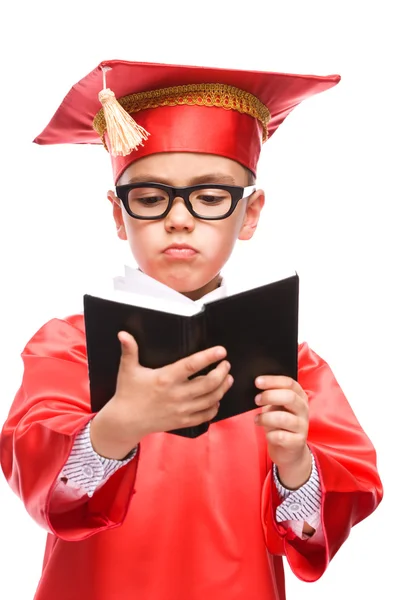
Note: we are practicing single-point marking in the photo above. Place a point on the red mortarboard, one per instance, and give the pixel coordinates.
(178, 109)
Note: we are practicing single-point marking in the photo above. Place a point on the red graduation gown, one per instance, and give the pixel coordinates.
(187, 519)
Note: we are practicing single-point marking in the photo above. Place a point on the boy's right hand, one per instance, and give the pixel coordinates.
(152, 400)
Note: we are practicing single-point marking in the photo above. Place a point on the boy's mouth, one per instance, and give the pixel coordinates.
(180, 251)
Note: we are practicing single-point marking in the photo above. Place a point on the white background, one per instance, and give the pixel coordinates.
(342, 182)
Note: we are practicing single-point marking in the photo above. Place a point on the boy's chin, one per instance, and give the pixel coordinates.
(190, 285)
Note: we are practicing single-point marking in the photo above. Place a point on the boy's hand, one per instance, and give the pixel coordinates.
(152, 400)
(285, 418)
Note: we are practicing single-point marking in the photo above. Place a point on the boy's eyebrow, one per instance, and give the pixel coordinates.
(221, 178)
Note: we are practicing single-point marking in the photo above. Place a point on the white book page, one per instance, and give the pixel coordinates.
(239, 285)
(138, 289)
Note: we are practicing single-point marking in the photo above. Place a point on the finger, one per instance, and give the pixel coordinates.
(267, 382)
(211, 403)
(278, 420)
(205, 384)
(285, 439)
(204, 416)
(129, 350)
(205, 402)
(283, 399)
(184, 368)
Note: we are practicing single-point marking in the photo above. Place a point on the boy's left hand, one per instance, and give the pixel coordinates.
(285, 418)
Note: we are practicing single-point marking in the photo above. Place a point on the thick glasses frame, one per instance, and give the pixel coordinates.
(237, 194)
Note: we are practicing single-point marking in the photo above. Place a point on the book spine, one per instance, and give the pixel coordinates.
(193, 336)
(195, 333)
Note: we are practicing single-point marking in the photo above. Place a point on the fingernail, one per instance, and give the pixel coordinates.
(256, 419)
(258, 398)
(230, 379)
(259, 381)
(220, 352)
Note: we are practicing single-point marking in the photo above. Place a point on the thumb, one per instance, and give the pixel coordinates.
(129, 350)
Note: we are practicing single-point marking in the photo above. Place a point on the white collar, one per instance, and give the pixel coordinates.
(135, 281)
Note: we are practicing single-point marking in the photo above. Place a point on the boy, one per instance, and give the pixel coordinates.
(134, 512)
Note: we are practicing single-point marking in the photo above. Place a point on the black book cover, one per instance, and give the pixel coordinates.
(258, 328)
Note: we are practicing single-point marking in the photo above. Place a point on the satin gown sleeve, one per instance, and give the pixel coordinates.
(346, 460)
(50, 408)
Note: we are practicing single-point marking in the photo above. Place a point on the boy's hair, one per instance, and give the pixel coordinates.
(251, 177)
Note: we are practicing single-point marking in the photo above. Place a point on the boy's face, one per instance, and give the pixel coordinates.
(192, 272)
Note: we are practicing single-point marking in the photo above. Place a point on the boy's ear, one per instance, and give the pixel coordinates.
(117, 213)
(252, 215)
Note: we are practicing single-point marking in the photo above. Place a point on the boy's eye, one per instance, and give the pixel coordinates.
(149, 200)
(147, 196)
(212, 197)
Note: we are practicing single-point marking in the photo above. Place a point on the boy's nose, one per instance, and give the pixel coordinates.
(179, 217)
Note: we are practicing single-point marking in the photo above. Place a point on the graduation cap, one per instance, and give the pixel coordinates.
(136, 109)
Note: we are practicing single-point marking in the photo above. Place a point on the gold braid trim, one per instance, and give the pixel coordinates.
(205, 94)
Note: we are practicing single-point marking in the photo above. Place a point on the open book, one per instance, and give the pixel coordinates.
(258, 327)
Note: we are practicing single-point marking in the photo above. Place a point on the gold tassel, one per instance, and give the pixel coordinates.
(124, 134)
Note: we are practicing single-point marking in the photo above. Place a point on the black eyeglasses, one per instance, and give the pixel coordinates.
(208, 201)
